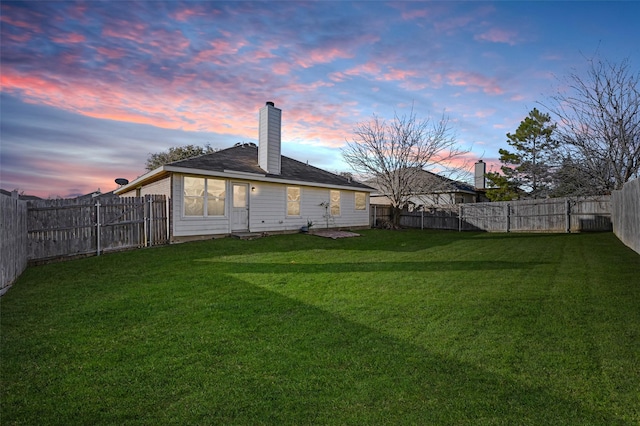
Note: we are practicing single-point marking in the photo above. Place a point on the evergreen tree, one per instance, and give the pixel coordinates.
(528, 169)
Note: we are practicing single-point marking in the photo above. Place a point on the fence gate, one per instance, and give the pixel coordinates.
(60, 228)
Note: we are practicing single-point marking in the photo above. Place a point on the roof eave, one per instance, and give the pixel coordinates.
(141, 180)
(257, 177)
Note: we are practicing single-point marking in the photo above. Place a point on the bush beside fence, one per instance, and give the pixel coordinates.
(547, 215)
(625, 209)
(13, 240)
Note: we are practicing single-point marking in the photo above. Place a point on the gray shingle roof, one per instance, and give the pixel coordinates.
(426, 182)
(244, 158)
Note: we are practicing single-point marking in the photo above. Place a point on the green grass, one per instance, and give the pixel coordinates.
(409, 327)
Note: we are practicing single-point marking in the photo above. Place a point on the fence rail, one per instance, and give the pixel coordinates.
(73, 227)
(549, 215)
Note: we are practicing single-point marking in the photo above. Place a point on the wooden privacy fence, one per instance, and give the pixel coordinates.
(547, 215)
(13, 240)
(625, 209)
(72, 227)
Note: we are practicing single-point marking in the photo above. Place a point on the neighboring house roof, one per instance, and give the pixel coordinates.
(20, 196)
(425, 182)
(241, 161)
(96, 194)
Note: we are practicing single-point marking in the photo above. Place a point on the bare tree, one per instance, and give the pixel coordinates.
(393, 156)
(599, 125)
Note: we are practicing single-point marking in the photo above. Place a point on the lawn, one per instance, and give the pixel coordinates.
(393, 327)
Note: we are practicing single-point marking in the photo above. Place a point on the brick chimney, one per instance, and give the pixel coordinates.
(269, 141)
(479, 174)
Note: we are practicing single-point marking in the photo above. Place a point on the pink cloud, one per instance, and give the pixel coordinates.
(483, 113)
(398, 74)
(9, 20)
(322, 55)
(169, 43)
(218, 49)
(111, 53)
(496, 35)
(69, 38)
(184, 15)
(281, 68)
(16, 38)
(366, 69)
(450, 24)
(473, 81)
(129, 30)
(415, 14)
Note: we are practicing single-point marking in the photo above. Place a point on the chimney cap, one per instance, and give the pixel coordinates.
(270, 103)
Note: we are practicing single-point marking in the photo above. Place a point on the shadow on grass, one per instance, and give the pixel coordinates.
(313, 268)
(240, 354)
(371, 239)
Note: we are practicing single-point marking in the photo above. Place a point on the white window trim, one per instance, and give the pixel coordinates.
(331, 204)
(205, 198)
(286, 206)
(355, 204)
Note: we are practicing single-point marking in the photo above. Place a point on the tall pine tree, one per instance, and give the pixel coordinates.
(527, 170)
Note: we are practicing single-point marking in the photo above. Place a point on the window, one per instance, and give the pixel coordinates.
(203, 197)
(361, 201)
(240, 196)
(334, 196)
(293, 201)
(215, 197)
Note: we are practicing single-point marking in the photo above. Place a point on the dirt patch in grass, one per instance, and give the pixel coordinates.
(335, 234)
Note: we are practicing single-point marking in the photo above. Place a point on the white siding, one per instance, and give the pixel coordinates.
(268, 211)
(267, 208)
(131, 193)
(191, 226)
(160, 187)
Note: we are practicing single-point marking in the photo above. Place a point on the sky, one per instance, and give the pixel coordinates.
(90, 89)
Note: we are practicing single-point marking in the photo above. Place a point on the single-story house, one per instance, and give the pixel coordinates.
(249, 188)
(430, 189)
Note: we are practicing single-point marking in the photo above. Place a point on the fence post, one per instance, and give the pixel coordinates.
(167, 206)
(460, 218)
(145, 221)
(568, 211)
(508, 217)
(98, 231)
(422, 219)
(151, 223)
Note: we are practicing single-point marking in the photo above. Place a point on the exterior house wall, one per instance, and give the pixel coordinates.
(268, 210)
(160, 187)
(131, 193)
(193, 226)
